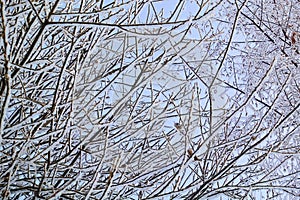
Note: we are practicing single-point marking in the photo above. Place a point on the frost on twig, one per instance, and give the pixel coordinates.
(149, 99)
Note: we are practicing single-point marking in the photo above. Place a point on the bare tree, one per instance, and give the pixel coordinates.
(149, 99)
